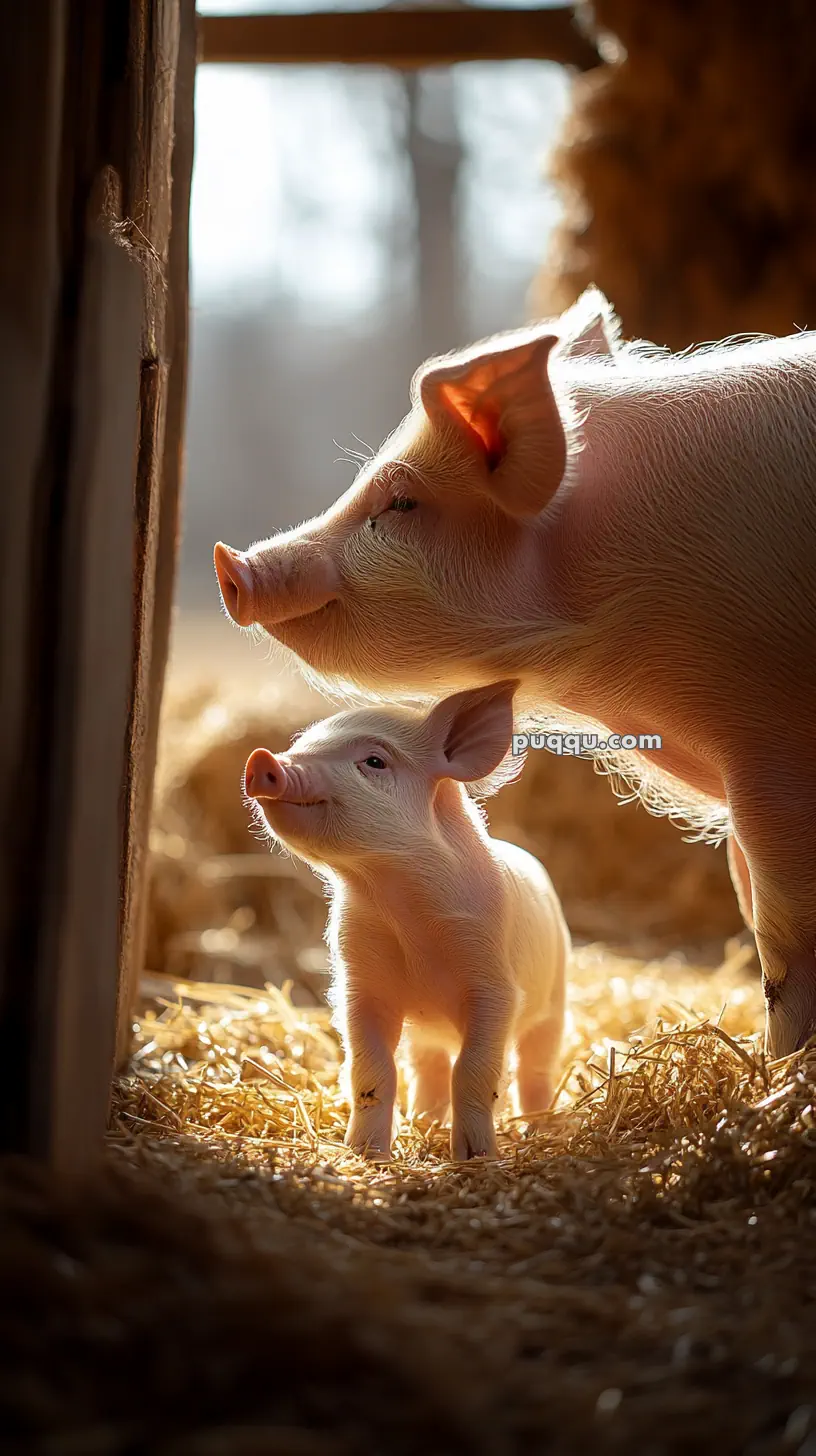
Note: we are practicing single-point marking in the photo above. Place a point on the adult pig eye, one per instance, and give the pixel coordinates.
(399, 503)
(374, 761)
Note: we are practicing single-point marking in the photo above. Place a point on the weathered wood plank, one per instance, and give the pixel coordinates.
(93, 627)
(147, 218)
(31, 99)
(176, 330)
(85, 353)
(407, 38)
(71, 307)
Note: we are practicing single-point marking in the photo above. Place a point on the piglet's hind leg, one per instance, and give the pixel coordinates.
(537, 1062)
(430, 1083)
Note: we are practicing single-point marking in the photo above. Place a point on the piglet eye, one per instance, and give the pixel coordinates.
(403, 503)
(374, 761)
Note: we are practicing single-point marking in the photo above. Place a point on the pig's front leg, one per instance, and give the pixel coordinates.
(477, 1076)
(372, 1033)
(741, 880)
(774, 815)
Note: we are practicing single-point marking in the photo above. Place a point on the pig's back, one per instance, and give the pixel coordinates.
(696, 531)
(538, 938)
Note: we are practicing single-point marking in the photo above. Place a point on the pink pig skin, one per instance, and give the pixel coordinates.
(434, 927)
(631, 534)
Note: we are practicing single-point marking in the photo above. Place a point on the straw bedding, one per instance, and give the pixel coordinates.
(637, 1274)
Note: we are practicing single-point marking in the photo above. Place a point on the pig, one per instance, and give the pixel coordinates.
(434, 926)
(632, 534)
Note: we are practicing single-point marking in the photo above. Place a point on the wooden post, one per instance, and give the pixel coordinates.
(31, 91)
(70, 304)
(158, 192)
(87, 387)
(435, 163)
(80, 935)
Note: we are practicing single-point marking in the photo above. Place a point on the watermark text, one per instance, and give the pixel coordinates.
(576, 744)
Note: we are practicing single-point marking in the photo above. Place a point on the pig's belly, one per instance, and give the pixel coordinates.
(698, 774)
(687, 769)
(688, 766)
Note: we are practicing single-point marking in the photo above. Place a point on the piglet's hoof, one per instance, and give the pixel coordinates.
(371, 1155)
(464, 1147)
(366, 1147)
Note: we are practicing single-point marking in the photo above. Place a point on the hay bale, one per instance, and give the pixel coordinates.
(685, 168)
(220, 906)
(624, 877)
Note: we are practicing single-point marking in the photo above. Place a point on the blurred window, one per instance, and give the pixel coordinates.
(346, 223)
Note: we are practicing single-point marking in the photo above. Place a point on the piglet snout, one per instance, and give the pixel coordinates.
(264, 776)
(235, 581)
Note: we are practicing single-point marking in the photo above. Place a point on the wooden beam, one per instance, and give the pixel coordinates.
(404, 38)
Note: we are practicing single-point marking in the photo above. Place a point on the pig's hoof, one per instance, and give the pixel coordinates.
(791, 1008)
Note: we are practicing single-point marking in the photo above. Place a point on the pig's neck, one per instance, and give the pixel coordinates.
(618, 555)
(435, 871)
(605, 509)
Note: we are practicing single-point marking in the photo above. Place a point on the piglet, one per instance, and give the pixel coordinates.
(435, 927)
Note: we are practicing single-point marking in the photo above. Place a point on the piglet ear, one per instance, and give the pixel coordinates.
(470, 732)
(501, 402)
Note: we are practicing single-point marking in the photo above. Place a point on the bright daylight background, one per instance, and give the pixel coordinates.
(346, 223)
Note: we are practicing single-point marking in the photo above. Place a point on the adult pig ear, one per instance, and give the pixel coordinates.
(501, 400)
(590, 328)
(470, 732)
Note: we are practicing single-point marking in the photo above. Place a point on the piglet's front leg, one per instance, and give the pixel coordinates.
(477, 1076)
(372, 1034)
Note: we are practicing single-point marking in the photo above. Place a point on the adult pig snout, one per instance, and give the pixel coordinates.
(235, 582)
(276, 582)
